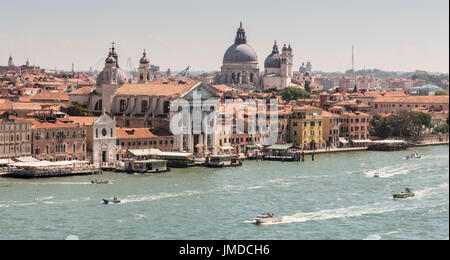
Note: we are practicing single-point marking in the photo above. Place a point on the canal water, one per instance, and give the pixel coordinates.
(333, 197)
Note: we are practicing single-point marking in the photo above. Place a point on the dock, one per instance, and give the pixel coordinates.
(51, 174)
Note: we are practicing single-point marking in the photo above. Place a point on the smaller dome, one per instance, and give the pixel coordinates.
(274, 59)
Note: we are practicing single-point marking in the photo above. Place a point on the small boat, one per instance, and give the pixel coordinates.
(268, 218)
(404, 194)
(102, 182)
(413, 156)
(114, 200)
(376, 175)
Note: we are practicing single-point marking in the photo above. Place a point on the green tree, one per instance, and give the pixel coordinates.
(401, 124)
(442, 128)
(292, 93)
(79, 109)
(441, 93)
(308, 86)
(270, 90)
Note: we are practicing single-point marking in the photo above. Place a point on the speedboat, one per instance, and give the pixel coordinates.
(404, 194)
(114, 200)
(267, 218)
(102, 182)
(413, 156)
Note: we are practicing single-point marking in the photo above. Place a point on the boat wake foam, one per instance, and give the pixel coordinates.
(353, 211)
(425, 193)
(379, 236)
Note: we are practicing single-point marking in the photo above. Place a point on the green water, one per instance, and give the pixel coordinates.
(334, 197)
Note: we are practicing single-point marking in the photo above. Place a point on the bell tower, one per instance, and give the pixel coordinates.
(144, 71)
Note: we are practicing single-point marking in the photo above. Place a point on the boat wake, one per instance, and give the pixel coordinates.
(45, 198)
(390, 171)
(135, 198)
(379, 236)
(428, 192)
(348, 212)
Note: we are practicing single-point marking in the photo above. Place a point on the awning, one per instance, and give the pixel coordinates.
(144, 152)
(342, 140)
(279, 147)
(252, 146)
(362, 141)
(226, 148)
(26, 159)
(6, 161)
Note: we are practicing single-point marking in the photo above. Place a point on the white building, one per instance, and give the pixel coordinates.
(278, 68)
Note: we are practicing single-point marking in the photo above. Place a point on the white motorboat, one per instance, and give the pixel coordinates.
(268, 218)
(413, 156)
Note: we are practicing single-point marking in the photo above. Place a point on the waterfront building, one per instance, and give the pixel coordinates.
(102, 148)
(331, 129)
(306, 125)
(144, 138)
(54, 140)
(355, 126)
(15, 136)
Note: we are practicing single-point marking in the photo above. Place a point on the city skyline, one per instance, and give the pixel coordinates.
(400, 36)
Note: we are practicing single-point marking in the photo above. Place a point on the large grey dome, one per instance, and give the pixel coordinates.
(274, 59)
(240, 53)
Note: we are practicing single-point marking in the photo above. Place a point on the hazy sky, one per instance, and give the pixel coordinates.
(401, 35)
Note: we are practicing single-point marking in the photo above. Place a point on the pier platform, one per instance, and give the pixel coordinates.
(31, 175)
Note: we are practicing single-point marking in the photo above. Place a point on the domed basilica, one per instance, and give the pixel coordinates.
(240, 66)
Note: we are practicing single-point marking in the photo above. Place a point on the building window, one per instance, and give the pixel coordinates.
(98, 105)
(144, 106)
(122, 105)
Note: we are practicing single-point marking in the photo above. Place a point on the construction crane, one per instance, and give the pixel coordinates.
(184, 72)
(98, 65)
(130, 66)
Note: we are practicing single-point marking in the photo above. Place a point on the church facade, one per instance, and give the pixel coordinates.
(146, 103)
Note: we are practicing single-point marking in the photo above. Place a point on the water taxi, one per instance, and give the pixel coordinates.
(102, 182)
(267, 219)
(413, 156)
(114, 200)
(404, 194)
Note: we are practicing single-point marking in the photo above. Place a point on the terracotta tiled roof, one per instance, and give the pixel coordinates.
(306, 107)
(328, 114)
(414, 99)
(152, 89)
(82, 120)
(51, 96)
(6, 104)
(124, 133)
(82, 91)
(39, 124)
